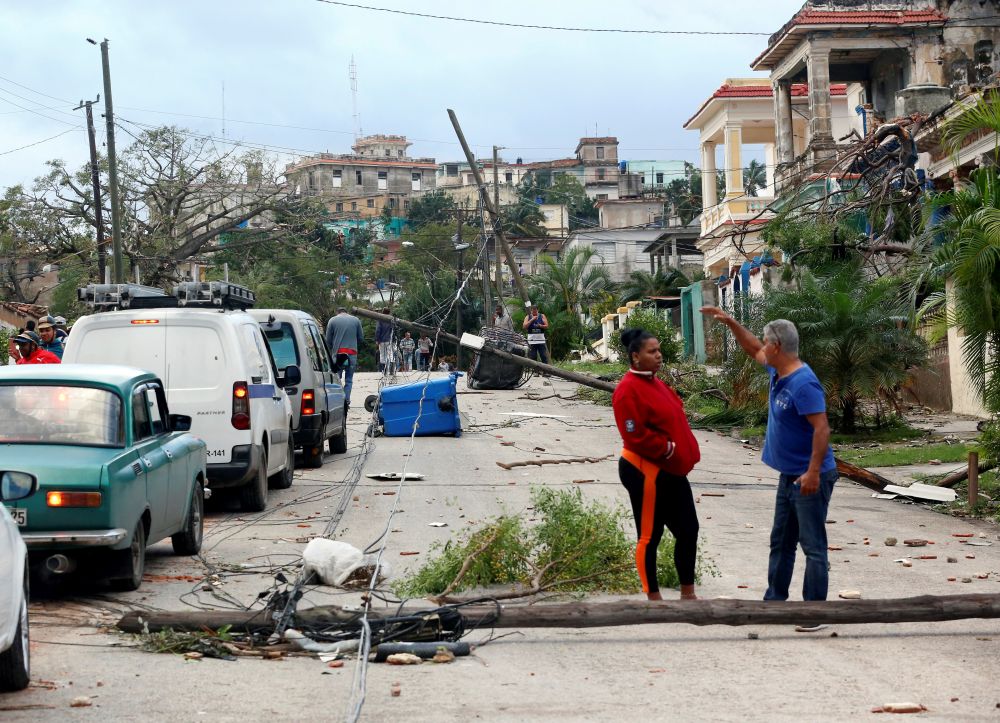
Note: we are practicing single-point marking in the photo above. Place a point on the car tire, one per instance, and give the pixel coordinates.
(283, 479)
(371, 401)
(253, 495)
(15, 662)
(131, 561)
(188, 540)
(338, 443)
(312, 457)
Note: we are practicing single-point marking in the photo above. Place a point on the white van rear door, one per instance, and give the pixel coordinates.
(199, 383)
(268, 403)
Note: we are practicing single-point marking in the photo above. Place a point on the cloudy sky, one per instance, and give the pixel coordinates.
(285, 69)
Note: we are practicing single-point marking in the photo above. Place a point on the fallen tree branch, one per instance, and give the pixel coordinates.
(539, 462)
(467, 563)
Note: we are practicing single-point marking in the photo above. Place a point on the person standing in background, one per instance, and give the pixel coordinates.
(406, 347)
(344, 337)
(535, 325)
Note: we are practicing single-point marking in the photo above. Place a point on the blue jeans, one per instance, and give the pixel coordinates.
(346, 375)
(800, 520)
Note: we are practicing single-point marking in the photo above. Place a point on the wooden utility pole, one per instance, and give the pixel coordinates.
(523, 361)
(116, 220)
(973, 479)
(493, 211)
(95, 180)
(924, 608)
(496, 245)
(458, 290)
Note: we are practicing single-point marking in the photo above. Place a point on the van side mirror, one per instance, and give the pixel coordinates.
(180, 423)
(292, 376)
(17, 485)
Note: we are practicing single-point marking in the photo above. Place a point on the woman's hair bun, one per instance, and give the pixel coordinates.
(630, 335)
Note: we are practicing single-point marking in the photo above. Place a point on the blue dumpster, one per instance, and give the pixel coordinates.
(400, 407)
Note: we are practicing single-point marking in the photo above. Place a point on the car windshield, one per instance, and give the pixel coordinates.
(281, 340)
(48, 414)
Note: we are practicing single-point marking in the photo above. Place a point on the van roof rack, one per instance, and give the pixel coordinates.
(214, 293)
(105, 297)
(195, 294)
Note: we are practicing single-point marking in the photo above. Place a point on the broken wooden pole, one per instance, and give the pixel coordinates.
(564, 460)
(569, 376)
(963, 474)
(920, 609)
(973, 479)
(862, 476)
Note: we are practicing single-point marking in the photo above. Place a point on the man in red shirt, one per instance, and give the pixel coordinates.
(29, 347)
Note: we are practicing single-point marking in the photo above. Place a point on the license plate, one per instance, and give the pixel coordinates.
(20, 516)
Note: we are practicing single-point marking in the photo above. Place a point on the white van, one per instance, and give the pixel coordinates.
(217, 369)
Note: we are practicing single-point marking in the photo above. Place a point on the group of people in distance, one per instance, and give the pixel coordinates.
(39, 342)
(660, 451)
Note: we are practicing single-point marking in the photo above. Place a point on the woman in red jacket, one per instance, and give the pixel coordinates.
(659, 452)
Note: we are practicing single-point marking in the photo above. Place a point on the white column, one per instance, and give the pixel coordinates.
(770, 160)
(734, 160)
(709, 195)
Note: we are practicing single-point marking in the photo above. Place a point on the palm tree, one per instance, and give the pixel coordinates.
(854, 333)
(665, 282)
(573, 279)
(754, 177)
(970, 259)
(523, 219)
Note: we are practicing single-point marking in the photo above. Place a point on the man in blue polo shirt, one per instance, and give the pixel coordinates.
(797, 445)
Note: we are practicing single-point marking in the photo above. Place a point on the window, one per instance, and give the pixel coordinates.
(508, 177)
(600, 153)
(659, 179)
(399, 153)
(354, 205)
(371, 203)
(388, 152)
(140, 416)
(601, 197)
(451, 169)
(415, 181)
(320, 345)
(156, 401)
(281, 340)
(312, 181)
(383, 180)
(37, 414)
(392, 203)
(340, 207)
(338, 178)
(357, 178)
(406, 203)
(600, 174)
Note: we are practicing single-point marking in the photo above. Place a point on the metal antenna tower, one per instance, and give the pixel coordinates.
(354, 99)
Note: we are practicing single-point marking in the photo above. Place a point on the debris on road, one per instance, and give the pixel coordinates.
(394, 476)
(900, 708)
(920, 491)
(539, 462)
(404, 659)
(81, 701)
(849, 594)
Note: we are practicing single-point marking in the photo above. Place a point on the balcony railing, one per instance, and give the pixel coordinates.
(735, 211)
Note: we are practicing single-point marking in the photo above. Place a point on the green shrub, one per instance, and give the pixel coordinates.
(655, 324)
(582, 546)
(5, 336)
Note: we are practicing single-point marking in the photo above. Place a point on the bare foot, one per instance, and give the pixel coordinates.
(654, 596)
(687, 592)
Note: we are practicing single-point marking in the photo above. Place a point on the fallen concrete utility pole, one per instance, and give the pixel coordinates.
(920, 609)
(955, 477)
(523, 361)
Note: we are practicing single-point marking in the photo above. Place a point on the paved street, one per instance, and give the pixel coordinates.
(642, 672)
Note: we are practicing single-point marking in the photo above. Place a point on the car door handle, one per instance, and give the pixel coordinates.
(148, 461)
(170, 455)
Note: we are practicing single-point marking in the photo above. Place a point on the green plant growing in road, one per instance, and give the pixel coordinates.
(576, 546)
(897, 456)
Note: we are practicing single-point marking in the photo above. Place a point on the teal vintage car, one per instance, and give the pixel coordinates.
(116, 471)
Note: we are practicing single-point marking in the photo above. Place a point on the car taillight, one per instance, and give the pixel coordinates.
(241, 406)
(73, 499)
(308, 401)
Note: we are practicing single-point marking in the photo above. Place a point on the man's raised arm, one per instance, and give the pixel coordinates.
(753, 346)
